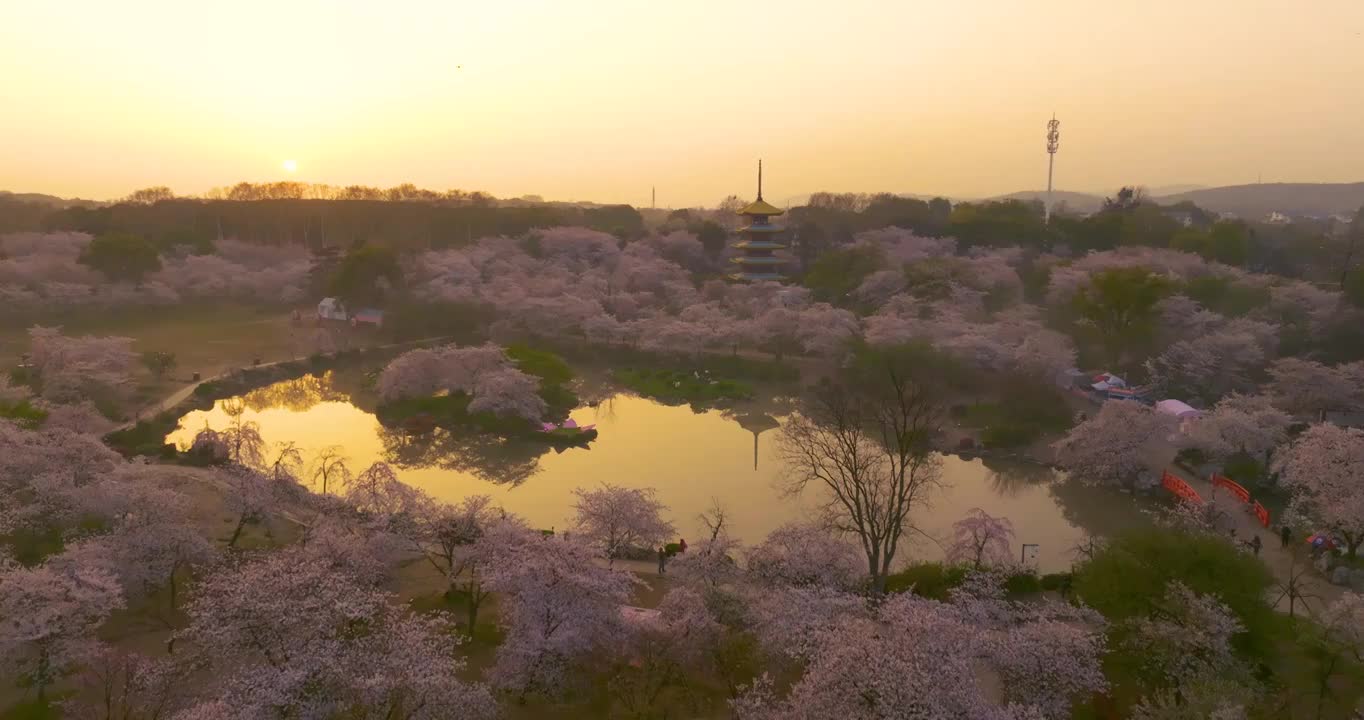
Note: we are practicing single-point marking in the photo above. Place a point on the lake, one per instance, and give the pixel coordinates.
(690, 458)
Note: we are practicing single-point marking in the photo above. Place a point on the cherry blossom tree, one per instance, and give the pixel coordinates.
(912, 657)
(484, 373)
(150, 537)
(289, 637)
(50, 615)
(121, 685)
(508, 391)
(826, 330)
(805, 555)
(460, 541)
(1187, 642)
(250, 497)
(1311, 388)
(391, 503)
(71, 368)
(557, 607)
(789, 622)
(46, 475)
(618, 519)
(1322, 469)
(1123, 439)
(1248, 424)
(665, 651)
(981, 540)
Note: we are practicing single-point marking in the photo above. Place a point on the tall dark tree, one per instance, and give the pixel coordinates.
(713, 237)
(1121, 306)
(366, 274)
(122, 257)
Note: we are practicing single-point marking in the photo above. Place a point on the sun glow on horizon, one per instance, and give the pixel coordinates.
(290, 166)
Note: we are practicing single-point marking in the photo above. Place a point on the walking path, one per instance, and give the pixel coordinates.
(1314, 590)
(175, 398)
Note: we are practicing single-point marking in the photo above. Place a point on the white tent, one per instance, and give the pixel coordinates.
(1177, 408)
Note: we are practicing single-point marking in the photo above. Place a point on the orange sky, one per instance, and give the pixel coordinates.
(600, 100)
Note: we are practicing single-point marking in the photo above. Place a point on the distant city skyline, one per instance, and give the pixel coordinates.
(602, 101)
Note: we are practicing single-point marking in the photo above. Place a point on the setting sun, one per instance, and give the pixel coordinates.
(290, 166)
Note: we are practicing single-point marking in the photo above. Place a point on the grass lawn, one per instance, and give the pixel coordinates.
(205, 338)
(681, 386)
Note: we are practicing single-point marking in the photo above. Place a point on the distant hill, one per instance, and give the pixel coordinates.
(1161, 191)
(1074, 201)
(1256, 201)
(49, 200)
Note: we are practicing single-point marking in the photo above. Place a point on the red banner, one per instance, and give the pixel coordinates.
(1180, 488)
(1261, 513)
(1225, 482)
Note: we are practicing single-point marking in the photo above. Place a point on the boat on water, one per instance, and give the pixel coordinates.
(569, 431)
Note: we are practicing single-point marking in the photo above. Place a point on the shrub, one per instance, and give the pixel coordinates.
(1190, 457)
(931, 580)
(1056, 582)
(1009, 434)
(23, 413)
(1023, 583)
(1130, 575)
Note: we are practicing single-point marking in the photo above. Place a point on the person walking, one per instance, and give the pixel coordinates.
(682, 543)
(1255, 545)
(1285, 534)
(662, 559)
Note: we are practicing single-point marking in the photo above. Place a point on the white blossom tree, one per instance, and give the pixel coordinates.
(1123, 439)
(1324, 469)
(806, 555)
(1248, 424)
(558, 608)
(981, 540)
(617, 519)
(287, 636)
(50, 616)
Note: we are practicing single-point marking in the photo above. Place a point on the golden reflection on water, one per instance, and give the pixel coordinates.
(690, 458)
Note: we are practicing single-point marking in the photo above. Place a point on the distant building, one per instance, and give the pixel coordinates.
(759, 243)
(1278, 218)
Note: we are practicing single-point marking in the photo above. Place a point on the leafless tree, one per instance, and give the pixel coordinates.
(865, 439)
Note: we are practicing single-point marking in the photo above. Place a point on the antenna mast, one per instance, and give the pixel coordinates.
(1053, 140)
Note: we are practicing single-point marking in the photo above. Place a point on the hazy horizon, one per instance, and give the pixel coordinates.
(603, 101)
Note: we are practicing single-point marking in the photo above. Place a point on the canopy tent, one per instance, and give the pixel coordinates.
(1177, 408)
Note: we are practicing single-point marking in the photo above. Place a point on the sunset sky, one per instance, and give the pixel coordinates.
(600, 100)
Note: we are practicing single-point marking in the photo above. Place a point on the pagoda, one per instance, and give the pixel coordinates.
(757, 261)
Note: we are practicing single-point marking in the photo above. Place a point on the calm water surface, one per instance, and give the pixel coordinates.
(688, 457)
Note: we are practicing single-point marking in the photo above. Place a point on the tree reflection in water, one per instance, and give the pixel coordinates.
(1008, 478)
(298, 395)
(483, 455)
(1098, 510)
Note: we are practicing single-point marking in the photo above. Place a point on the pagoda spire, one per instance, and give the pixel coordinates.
(760, 178)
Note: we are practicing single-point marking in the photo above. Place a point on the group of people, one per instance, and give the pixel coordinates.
(663, 554)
